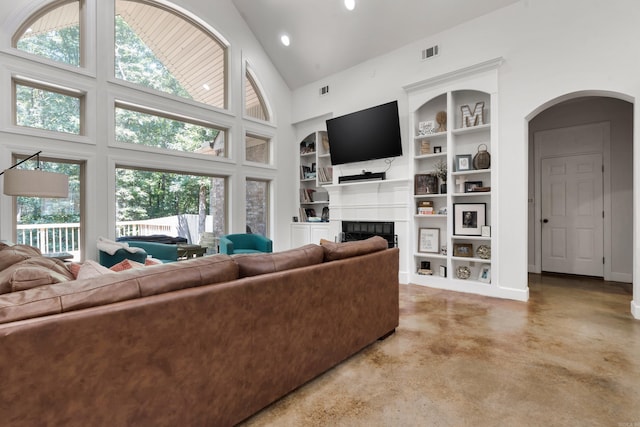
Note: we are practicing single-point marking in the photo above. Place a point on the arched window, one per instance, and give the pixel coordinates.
(165, 51)
(254, 105)
(53, 33)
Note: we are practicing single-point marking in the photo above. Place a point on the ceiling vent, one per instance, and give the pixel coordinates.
(324, 90)
(430, 52)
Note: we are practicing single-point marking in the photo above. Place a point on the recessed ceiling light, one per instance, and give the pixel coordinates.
(350, 4)
(285, 40)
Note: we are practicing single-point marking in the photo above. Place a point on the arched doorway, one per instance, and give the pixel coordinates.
(570, 129)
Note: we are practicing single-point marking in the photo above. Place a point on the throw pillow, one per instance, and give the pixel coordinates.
(126, 264)
(91, 269)
(32, 276)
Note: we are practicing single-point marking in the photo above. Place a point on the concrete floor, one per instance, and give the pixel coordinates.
(568, 357)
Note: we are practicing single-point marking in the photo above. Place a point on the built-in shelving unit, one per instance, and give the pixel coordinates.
(315, 172)
(464, 261)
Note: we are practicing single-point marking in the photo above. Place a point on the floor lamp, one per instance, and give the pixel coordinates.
(36, 182)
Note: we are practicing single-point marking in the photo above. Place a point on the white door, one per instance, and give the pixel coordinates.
(572, 215)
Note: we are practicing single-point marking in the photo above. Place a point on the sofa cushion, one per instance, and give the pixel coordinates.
(32, 272)
(91, 269)
(114, 287)
(10, 255)
(255, 264)
(335, 251)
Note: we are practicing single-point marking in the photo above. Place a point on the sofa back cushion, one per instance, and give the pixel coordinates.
(32, 272)
(255, 264)
(335, 251)
(114, 287)
(10, 255)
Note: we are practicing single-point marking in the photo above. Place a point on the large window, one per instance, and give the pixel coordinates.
(53, 33)
(156, 202)
(42, 107)
(163, 50)
(171, 133)
(52, 225)
(257, 200)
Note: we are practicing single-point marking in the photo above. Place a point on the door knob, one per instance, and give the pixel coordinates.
(545, 220)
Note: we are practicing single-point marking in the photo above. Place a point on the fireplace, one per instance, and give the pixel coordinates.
(360, 230)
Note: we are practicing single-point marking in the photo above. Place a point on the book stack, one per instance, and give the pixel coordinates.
(306, 195)
(425, 207)
(325, 175)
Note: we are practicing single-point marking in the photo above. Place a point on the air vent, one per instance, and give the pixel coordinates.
(430, 52)
(324, 90)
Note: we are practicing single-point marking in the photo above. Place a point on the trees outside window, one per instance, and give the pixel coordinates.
(52, 225)
(53, 33)
(52, 109)
(153, 130)
(177, 204)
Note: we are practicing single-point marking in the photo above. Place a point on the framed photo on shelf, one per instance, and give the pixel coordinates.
(463, 162)
(469, 218)
(429, 240)
(463, 250)
(437, 149)
(470, 186)
(485, 231)
(425, 184)
(485, 274)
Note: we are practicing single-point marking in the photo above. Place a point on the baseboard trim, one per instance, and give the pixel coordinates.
(621, 277)
(635, 309)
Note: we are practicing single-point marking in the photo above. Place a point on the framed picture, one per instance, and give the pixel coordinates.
(485, 274)
(429, 240)
(468, 218)
(463, 249)
(426, 128)
(437, 149)
(470, 186)
(485, 231)
(426, 184)
(463, 162)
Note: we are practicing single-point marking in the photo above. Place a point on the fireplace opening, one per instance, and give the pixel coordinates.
(360, 230)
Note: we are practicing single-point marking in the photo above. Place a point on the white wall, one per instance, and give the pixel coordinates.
(550, 48)
(97, 146)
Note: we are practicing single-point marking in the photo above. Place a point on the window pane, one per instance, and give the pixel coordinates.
(54, 35)
(162, 50)
(257, 206)
(257, 149)
(254, 103)
(43, 109)
(151, 130)
(156, 202)
(52, 225)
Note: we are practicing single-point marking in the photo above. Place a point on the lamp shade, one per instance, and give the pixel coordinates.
(35, 183)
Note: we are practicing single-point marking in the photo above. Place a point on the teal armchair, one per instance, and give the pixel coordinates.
(244, 244)
(107, 260)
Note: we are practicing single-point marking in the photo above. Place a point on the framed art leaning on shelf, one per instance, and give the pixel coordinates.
(469, 218)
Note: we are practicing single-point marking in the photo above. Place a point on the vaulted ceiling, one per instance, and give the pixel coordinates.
(327, 38)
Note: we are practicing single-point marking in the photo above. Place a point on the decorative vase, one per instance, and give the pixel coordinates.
(443, 188)
(463, 272)
(482, 159)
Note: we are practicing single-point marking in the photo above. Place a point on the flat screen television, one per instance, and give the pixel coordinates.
(373, 133)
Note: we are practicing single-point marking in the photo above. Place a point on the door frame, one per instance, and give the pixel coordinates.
(538, 149)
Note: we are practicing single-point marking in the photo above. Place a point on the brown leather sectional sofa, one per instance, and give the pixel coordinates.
(205, 342)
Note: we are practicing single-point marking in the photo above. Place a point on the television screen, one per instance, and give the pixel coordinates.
(369, 134)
